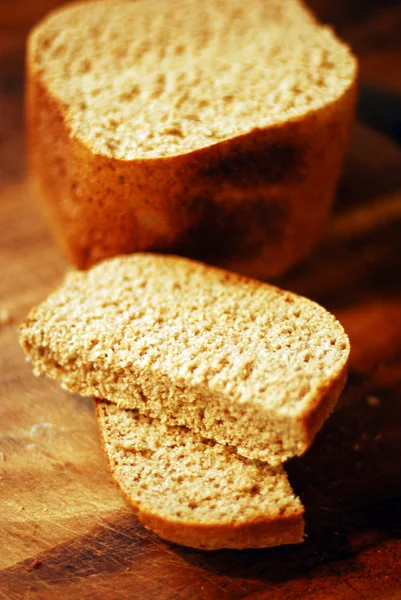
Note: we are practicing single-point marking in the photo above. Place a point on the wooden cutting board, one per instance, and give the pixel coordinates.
(65, 531)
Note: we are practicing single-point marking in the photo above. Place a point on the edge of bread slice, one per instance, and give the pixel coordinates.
(195, 492)
(215, 130)
(236, 360)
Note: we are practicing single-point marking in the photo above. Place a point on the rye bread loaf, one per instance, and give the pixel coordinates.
(194, 491)
(236, 360)
(211, 129)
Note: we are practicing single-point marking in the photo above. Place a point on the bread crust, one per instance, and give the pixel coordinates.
(315, 415)
(257, 534)
(260, 533)
(217, 203)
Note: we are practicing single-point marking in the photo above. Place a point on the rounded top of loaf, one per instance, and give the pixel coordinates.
(160, 78)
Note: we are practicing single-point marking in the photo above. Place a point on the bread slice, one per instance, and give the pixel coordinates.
(211, 129)
(196, 492)
(239, 361)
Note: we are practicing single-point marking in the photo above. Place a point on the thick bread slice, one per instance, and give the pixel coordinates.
(212, 129)
(239, 361)
(196, 492)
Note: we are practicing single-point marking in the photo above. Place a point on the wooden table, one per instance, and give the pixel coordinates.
(65, 531)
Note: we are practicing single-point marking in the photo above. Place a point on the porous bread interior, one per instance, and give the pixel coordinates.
(238, 361)
(184, 478)
(158, 78)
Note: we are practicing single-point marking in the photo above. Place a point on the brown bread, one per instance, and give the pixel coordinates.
(212, 129)
(234, 359)
(193, 491)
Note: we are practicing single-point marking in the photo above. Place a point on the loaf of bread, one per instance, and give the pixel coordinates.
(193, 491)
(212, 129)
(236, 360)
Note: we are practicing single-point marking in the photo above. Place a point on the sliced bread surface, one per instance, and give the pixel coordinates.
(236, 360)
(214, 129)
(151, 79)
(194, 491)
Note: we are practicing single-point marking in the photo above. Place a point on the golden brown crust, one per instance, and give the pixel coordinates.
(217, 203)
(314, 416)
(260, 533)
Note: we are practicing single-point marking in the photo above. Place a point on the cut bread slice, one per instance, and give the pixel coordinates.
(237, 360)
(211, 129)
(194, 491)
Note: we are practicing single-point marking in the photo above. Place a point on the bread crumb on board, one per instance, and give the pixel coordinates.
(6, 318)
(373, 401)
(35, 564)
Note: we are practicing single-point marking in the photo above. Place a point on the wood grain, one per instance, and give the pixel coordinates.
(64, 530)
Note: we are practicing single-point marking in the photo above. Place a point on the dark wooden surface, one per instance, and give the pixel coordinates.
(64, 530)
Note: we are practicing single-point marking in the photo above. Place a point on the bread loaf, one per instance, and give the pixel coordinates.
(236, 360)
(212, 129)
(195, 492)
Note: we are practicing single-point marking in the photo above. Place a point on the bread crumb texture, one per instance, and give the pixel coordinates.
(200, 492)
(155, 78)
(237, 360)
